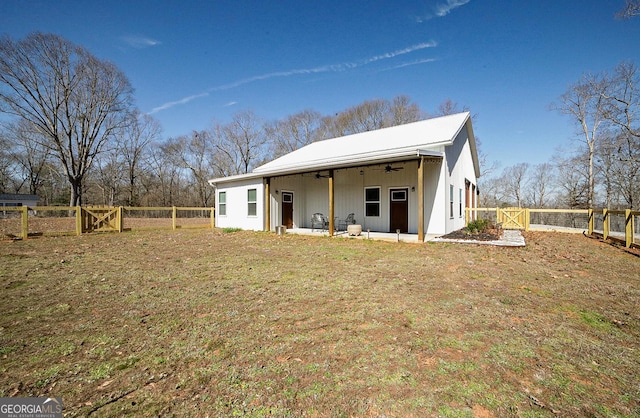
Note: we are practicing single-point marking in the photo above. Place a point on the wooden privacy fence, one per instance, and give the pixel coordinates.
(106, 218)
(594, 222)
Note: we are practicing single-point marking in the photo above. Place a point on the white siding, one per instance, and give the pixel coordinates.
(459, 168)
(237, 205)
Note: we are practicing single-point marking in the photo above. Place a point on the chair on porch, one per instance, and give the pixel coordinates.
(319, 221)
(349, 220)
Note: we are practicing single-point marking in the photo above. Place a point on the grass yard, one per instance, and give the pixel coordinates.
(206, 323)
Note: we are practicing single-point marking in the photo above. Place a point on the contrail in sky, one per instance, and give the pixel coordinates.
(316, 70)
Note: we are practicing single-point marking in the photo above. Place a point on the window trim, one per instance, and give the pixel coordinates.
(252, 204)
(451, 201)
(377, 203)
(222, 206)
(403, 192)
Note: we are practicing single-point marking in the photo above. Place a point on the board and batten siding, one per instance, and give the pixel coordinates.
(237, 205)
(459, 169)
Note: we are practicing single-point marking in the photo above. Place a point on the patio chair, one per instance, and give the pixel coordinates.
(319, 221)
(349, 220)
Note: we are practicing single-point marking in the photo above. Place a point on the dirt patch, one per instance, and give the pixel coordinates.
(199, 322)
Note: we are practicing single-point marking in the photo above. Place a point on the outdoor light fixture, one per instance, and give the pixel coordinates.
(413, 188)
(362, 172)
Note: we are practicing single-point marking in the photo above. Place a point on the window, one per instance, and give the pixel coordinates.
(398, 195)
(451, 201)
(222, 203)
(252, 199)
(460, 201)
(372, 201)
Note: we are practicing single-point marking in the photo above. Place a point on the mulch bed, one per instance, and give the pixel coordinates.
(464, 234)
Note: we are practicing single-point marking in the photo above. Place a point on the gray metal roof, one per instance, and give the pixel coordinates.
(19, 197)
(422, 138)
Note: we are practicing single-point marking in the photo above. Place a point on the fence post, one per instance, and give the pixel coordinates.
(173, 217)
(213, 219)
(120, 220)
(605, 223)
(78, 220)
(591, 222)
(628, 228)
(24, 222)
(527, 219)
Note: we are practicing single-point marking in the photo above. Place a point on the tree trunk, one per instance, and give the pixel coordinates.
(76, 192)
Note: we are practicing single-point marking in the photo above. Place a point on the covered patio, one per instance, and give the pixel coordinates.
(372, 235)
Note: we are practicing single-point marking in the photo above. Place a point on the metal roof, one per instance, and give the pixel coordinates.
(19, 197)
(422, 138)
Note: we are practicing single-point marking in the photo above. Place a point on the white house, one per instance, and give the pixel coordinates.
(416, 178)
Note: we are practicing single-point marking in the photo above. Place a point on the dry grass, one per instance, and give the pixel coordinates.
(199, 322)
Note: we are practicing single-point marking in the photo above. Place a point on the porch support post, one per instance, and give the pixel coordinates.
(421, 199)
(267, 204)
(331, 208)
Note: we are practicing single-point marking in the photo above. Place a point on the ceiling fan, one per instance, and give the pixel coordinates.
(388, 168)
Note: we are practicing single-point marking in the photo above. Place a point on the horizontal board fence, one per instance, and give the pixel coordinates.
(619, 225)
(23, 221)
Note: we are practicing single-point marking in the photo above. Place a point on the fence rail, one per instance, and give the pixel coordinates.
(83, 219)
(620, 225)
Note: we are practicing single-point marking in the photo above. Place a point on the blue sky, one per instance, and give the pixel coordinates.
(196, 62)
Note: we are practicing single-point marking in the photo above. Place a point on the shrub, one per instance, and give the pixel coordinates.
(479, 225)
(231, 230)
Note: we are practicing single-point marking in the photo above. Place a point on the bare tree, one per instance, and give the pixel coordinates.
(76, 101)
(164, 180)
(371, 115)
(194, 154)
(631, 9)
(239, 144)
(606, 160)
(293, 132)
(573, 182)
(622, 99)
(449, 107)
(29, 154)
(494, 192)
(585, 103)
(540, 185)
(514, 180)
(403, 110)
(109, 176)
(136, 137)
(6, 162)
(618, 160)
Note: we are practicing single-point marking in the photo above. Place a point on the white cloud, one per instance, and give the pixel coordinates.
(230, 104)
(442, 9)
(140, 42)
(408, 64)
(430, 44)
(185, 100)
(320, 69)
(446, 8)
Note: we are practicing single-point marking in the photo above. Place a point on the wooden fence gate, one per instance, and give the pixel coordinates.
(100, 218)
(512, 218)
